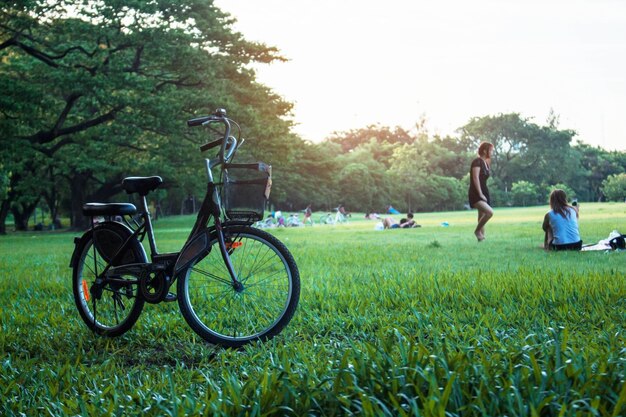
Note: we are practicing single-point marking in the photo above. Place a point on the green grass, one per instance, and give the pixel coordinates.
(399, 322)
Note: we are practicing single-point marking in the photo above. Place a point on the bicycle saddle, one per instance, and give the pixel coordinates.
(141, 185)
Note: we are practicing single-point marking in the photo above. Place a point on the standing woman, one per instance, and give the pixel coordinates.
(478, 192)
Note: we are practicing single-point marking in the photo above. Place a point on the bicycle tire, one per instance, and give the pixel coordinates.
(223, 316)
(120, 305)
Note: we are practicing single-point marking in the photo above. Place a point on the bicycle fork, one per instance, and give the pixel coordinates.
(237, 285)
(215, 208)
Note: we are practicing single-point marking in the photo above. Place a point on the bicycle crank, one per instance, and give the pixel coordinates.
(154, 286)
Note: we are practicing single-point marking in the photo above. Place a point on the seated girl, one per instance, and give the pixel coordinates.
(560, 224)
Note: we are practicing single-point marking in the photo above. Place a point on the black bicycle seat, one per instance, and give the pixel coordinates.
(108, 209)
(141, 185)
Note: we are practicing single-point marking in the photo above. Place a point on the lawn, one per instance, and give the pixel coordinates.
(424, 321)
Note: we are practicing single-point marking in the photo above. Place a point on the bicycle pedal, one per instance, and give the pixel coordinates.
(170, 297)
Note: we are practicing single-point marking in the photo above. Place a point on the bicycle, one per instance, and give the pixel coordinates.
(327, 218)
(235, 284)
(339, 217)
(268, 223)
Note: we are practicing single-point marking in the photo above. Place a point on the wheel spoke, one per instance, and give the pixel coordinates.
(211, 275)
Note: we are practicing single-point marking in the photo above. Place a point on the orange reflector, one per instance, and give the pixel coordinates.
(233, 245)
(86, 290)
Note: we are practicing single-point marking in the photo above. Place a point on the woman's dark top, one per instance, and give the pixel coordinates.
(474, 194)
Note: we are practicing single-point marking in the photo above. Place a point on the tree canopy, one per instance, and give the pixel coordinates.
(97, 90)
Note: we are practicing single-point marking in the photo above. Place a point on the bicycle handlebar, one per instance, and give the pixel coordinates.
(228, 143)
(217, 116)
(199, 121)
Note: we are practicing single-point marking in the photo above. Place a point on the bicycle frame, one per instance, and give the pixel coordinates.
(198, 242)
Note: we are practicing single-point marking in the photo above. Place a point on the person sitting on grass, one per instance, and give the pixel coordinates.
(560, 224)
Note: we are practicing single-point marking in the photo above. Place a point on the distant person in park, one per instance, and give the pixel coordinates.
(560, 224)
(278, 217)
(342, 214)
(391, 223)
(307, 215)
(408, 222)
(478, 192)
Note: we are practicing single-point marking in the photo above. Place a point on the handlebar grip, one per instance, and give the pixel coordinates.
(199, 121)
(210, 145)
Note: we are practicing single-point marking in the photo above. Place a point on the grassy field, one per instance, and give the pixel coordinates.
(398, 322)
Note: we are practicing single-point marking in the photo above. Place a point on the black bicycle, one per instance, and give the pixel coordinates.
(235, 284)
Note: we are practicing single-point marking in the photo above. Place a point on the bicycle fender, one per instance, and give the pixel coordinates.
(75, 253)
(78, 241)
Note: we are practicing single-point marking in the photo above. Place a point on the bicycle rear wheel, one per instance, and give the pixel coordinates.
(225, 316)
(117, 309)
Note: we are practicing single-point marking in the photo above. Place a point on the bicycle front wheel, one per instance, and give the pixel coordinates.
(264, 304)
(117, 308)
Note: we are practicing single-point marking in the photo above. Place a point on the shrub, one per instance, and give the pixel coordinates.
(614, 187)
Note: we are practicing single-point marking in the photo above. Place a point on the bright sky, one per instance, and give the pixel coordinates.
(360, 62)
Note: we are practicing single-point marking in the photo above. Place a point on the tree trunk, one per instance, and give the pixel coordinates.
(78, 182)
(4, 212)
(52, 202)
(21, 216)
(107, 190)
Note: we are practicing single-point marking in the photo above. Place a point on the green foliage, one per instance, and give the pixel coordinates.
(523, 150)
(356, 185)
(373, 133)
(524, 193)
(399, 322)
(423, 173)
(614, 187)
(597, 165)
(94, 91)
(569, 192)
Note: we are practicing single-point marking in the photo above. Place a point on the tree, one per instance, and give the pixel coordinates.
(524, 193)
(596, 165)
(408, 172)
(310, 177)
(571, 194)
(381, 134)
(524, 150)
(614, 187)
(115, 81)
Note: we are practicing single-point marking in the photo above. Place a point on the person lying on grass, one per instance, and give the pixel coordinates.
(391, 223)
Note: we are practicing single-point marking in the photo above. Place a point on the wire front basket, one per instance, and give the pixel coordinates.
(246, 189)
